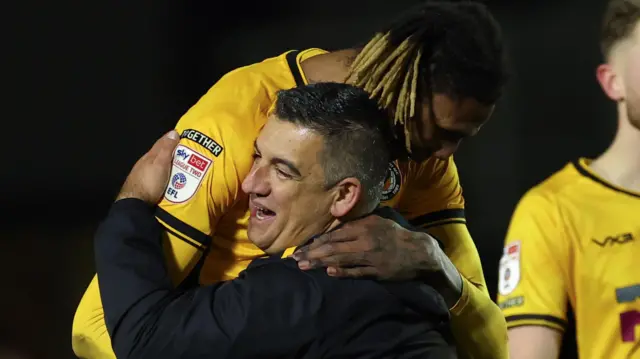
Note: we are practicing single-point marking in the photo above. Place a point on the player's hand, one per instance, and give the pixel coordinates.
(372, 246)
(149, 177)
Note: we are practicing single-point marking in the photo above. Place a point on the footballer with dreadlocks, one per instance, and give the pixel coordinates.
(438, 71)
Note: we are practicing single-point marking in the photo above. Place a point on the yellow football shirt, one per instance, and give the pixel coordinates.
(573, 241)
(209, 211)
(205, 211)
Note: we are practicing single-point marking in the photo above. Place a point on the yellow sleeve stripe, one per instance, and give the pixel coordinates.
(549, 321)
(445, 216)
(182, 230)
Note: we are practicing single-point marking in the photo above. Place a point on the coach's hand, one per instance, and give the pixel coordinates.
(377, 247)
(149, 177)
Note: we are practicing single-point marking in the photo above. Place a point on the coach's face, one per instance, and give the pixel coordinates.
(287, 197)
(444, 123)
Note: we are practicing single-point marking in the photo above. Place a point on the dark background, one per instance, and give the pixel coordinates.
(89, 86)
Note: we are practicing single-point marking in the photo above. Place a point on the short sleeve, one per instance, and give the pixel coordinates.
(533, 271)
(212, 158)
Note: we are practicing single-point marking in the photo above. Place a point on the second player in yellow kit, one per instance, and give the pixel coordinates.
(205, 211)
(575, 241)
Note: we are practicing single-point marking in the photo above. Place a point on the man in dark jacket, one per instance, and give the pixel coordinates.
(301, 185)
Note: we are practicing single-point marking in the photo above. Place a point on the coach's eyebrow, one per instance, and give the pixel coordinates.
(283, 161)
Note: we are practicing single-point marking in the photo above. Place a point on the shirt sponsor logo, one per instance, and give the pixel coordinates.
(614, 240)
(188, 171)
(203, 140)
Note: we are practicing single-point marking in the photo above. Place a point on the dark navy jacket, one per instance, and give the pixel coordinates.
(272, 310)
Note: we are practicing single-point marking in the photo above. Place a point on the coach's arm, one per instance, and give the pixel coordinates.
(146, 316)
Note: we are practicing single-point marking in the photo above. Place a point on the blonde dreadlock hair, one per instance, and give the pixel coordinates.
(380, 80)
(448, 47)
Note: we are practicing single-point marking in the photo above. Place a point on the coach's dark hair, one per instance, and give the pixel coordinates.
(620, 19)
(356, 132)
(453, 48)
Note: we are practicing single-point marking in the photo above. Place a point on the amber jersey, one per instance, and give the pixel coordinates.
(573, 241)
(204, 208)
(205, 211)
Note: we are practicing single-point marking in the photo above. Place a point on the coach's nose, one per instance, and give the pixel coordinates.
(257, 182)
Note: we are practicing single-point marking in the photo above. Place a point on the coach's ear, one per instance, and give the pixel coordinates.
(347, 193)
(611, 82)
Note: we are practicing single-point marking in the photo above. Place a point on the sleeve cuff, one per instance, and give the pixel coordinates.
(464, 298)
(541, 320)
(438, 218)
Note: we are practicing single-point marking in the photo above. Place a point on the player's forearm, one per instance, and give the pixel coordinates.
(478, 325)
(446, 279)
(470, 308)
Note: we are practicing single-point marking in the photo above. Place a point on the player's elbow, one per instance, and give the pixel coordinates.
(80, 345)
(534, 342)
(86, 339)
(89, 339)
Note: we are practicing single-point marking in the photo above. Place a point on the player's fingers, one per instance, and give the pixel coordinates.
(339, 235)
(319, 253)
(352, 272)
(339, 260)
(334, 248)
(165, 146)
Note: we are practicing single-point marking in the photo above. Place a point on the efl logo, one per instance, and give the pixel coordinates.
(186, 177)
(198, 162)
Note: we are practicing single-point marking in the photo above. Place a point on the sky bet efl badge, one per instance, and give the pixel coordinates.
(187, 173)
(509, 269)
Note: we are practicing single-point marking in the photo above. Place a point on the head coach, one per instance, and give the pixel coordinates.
(320, 161)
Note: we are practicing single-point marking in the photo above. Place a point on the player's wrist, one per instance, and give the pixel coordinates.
(438, 271)
(130, 195)
(131, 202)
